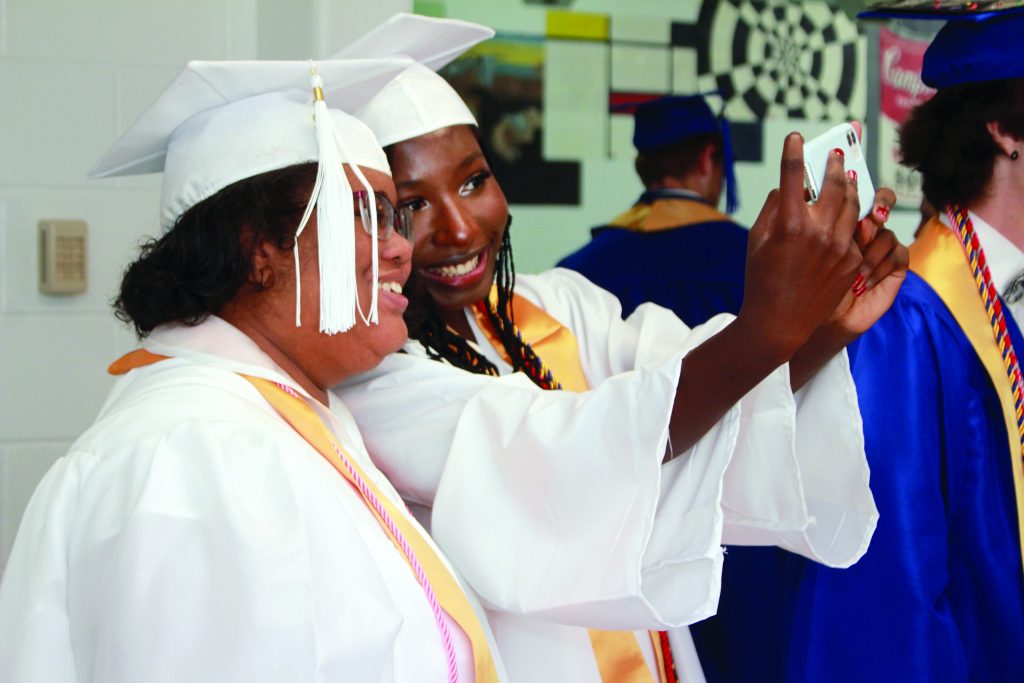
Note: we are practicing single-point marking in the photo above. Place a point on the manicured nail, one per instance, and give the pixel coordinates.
(882, 212)
(859, 282)
(851, 174)
(839, 152)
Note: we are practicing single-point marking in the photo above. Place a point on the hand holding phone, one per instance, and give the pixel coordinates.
(816, 151)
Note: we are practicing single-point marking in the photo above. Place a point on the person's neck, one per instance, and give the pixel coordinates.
(458, 320)
(1002, 205)
(689, 184)
(253, 329)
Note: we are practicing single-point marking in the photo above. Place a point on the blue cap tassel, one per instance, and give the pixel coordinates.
(732, 199)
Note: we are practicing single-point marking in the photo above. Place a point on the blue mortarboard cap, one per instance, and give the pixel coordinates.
(976, 51)
(981, 41)
(667, 120)
(672, 119)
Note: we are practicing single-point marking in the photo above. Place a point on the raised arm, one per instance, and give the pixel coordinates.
(802, 264)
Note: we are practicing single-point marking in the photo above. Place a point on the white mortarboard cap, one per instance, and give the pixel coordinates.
(418, 101)
(221, 122)
(430, 41)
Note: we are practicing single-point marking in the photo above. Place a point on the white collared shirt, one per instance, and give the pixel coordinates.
(1005, 260)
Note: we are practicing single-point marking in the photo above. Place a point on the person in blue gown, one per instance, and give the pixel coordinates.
(673, 246)
(939, 596)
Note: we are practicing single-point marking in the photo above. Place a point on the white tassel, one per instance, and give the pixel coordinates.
(332, 197)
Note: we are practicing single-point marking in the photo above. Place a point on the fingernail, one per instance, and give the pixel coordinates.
(860, 285)
(851, 174)
(882, 212)
(839, 152)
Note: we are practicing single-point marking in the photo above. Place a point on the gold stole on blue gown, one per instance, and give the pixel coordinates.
(666, 213)
(938, 257)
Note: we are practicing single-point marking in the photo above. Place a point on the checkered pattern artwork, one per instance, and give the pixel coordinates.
(775, 59)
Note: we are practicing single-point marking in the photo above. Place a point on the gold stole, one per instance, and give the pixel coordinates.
(938, 257)
(667, 213)
(301, 416)
(618, 654)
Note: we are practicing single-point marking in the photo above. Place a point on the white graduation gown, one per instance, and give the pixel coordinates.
(555, 506)
(192, 535)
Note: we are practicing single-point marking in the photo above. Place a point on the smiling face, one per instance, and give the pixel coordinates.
(458, 215)
(265, 311)
(335, 357)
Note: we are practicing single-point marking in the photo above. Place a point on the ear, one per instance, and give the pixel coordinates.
(1005, 142)
(265, 259)
(707, 159)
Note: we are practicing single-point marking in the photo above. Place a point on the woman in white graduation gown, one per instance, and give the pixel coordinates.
(575, 482)
(203, 528)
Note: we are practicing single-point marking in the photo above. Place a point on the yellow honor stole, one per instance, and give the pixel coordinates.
(301, 416)
(618, 654)
(938, 257)
(667, 213)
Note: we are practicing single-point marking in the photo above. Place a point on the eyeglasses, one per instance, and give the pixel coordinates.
(389, 219)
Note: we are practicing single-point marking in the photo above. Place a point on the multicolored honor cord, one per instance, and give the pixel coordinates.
(993, 308)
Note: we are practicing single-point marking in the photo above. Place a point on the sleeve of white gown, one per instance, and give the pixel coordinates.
(35, 637)
(545, 501)
(555, 504)
(798, 477)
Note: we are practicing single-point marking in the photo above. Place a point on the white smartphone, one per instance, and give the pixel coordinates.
(816, 153)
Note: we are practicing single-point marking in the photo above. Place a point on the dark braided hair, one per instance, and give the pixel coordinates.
(444, 344)
(441, 342)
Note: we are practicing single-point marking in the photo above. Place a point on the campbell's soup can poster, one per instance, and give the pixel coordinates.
(901, 52)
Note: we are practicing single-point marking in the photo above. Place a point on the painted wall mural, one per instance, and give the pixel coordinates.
(777, 60)
(552, 98)
(502, 82)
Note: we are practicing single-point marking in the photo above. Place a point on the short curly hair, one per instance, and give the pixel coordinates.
(198, 266)
(677, 159)
(947, 138)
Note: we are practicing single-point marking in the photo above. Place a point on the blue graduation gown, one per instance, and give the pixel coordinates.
(939, 595)
(672, 249)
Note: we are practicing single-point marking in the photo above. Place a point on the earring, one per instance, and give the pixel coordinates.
(1014, 155)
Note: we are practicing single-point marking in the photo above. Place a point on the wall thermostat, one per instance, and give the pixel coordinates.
(62, 256)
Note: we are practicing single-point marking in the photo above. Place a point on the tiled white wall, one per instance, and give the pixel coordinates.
(73, 76)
